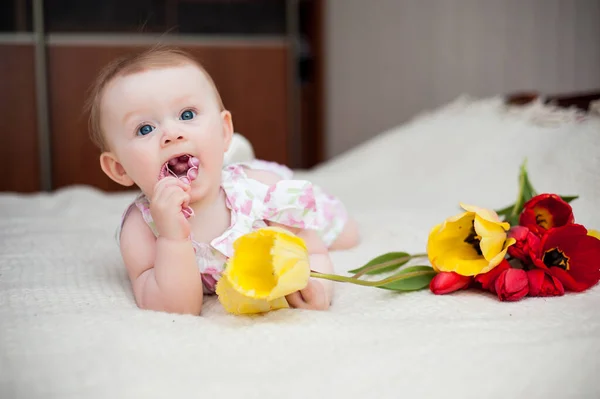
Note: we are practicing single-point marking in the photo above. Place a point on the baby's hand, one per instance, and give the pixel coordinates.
(312, 297)
(170, 195)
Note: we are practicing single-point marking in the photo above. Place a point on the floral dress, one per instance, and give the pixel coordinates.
(294, 203)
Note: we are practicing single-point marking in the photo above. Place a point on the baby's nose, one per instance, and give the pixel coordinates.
(170, 136)
(168, 139)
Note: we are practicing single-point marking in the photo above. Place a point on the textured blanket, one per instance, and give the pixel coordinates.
(69, 327)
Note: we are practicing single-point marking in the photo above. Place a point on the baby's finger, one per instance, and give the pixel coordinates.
(162, 184)
(314, 294)
(309, 293)
(295, 300)
(178, 197)
(172, 181)
(178, 200)
(167, 182)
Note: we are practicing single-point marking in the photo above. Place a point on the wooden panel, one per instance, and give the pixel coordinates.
(581, 100)
(18, 122)
(252, 81)
(312, 98)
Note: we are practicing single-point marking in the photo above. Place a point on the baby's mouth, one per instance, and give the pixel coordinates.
(183, 167)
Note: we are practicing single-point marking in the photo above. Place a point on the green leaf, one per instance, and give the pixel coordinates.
(526, 191)
(504, 210)
(529, 191)
(412, 283)
(401, 258)
(513, 220)
(569, 198)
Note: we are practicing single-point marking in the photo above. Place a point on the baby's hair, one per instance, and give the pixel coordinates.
(153, 58)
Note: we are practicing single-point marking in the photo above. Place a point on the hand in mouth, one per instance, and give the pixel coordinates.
(183, 167)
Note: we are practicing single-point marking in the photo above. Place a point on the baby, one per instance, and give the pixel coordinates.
(160, 124)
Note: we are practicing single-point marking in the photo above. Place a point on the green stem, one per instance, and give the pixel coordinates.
(388, 264)
(344, 279)
(518, 202)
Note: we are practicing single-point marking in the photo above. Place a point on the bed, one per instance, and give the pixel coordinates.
(70, 329)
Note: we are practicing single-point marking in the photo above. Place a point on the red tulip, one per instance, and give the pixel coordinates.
(571, 255)
(545, 211)
(512, 285)
(527, 244)
(488, 280)
(544, 284)
(447, 282)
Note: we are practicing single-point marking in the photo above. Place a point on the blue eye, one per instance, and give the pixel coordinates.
(187, 115)
(144, 130)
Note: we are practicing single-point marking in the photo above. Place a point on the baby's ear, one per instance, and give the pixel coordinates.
(227, 128)
(113, 169)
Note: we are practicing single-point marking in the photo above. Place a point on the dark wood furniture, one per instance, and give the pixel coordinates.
(581, 101)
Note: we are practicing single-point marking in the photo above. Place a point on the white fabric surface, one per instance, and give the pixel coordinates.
(70, 329)
(240, 150)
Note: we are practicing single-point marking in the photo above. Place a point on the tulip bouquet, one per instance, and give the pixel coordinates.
(530, 248)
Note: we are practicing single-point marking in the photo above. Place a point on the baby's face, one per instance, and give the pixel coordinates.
(152, 117)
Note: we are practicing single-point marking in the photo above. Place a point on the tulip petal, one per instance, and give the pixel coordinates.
(236, 303)
(268, 263)
(486, 214)
(463, 260)
(471, 243)
(501, 255)
(567, 280)
(536, 278)
(582, 251)
(488, 279)
(493, 236)
(546, 211)
(249, 270)
(290, 264)
(447, 238)
(447, 282)
(512, 285)
(543, 284)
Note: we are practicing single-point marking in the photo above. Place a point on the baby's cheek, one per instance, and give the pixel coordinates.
(145, 173)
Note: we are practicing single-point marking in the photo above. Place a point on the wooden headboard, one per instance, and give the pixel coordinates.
(580, 100)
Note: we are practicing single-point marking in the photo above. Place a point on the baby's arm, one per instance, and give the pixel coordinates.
(162, 270)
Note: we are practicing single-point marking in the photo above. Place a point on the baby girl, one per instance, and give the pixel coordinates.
(160, 124)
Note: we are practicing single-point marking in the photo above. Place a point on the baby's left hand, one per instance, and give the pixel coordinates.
(313, 297)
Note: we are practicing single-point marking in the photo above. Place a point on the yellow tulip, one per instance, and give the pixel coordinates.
(266, 265)
(471, 243)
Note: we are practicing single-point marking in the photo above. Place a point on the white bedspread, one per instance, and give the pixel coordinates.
(70, 329)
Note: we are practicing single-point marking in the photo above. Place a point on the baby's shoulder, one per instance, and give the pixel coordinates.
(134, 233)
(259, 178)
(136, 220)
(133, 222)
(264, 176)
(257, 169)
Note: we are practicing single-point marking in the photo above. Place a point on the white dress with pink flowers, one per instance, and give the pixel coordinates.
(294, 203)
